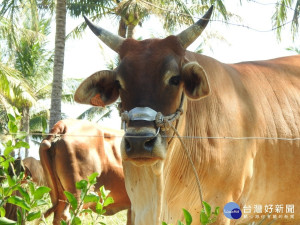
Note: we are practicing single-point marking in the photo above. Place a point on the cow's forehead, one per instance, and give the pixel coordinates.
(144, 61)
(153, 48)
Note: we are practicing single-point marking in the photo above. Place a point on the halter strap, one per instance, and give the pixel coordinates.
(148, 114)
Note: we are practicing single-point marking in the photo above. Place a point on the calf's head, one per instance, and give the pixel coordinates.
(153, 75)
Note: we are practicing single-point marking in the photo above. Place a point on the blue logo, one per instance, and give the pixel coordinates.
(232, 211)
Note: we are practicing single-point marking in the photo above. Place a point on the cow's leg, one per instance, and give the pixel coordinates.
(129, 215)
(61, 213)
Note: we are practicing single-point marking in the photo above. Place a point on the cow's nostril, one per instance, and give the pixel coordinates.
(127, 146)
(149, 144)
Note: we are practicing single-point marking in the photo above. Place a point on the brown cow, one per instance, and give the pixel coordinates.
(157, 80)
(76, 150)
(34, 169)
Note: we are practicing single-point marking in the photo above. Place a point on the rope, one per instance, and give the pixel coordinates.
(191, 162)
(165, 123)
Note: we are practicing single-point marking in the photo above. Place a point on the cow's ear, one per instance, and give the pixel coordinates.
(195, 81)
(100, 89)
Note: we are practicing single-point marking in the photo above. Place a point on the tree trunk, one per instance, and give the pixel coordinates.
(122, 28)
(55, 110)
(130, 30)
(25, 126)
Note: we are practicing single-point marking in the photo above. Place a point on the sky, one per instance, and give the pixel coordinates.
(83, 56)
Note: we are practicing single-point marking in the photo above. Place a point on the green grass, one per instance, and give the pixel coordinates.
(119, 218)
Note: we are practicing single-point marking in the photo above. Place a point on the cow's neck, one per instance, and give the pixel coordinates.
(148, 185)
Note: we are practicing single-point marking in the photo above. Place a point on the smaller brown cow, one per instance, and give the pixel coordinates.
(74, 150)
(34, 169)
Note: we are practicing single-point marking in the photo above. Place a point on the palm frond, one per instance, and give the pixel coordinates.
(97, 113)
(69, 87)
(296, 17)
(78, 8)
(280, 15)
(44, 91)
(294, 49)
(38, 123)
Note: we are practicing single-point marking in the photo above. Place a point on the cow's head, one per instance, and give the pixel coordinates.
(152, 77)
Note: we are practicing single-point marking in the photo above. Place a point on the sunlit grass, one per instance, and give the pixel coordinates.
(119, 218)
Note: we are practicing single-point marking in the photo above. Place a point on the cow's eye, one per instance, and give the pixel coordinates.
(175, 80)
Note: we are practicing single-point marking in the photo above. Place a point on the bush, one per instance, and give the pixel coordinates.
(29, 198)
(206, 216)
(87, 196)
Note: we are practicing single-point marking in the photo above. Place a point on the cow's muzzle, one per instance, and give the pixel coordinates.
(140, 143)
(146, 143)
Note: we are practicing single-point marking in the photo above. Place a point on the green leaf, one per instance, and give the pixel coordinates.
(40, 202)
(62, 222)
(180, 223)
(8, 150)
(71, 198)
(11, 117)
(33, 216)
(203, 218)
(82, 185)
(99, 208)
(19, 216)
(5, 221)
(104, 193)
(2, 212)
(91, 198)
(39, 193)
(93, 178)
(11, 180)
(89, 211)
(207, 208)
(12, 127)
(7, 191)
(108, 201)
(21, 144)
(31, 188)
(5, 163)
(217, 211)
(9, 143)
(24, 194)
(164, 223)
(187, 216)
(16, 200)
(76, 221)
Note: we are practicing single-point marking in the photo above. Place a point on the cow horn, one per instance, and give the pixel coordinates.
(111, 40)
(190, 34)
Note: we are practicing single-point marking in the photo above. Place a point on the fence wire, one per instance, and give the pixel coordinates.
(165, 136)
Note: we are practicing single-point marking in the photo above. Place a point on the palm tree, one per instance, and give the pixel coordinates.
(27, 67)
(280, 17)
(60, 34)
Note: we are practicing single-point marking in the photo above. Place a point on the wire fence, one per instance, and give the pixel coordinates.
(164, 136)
